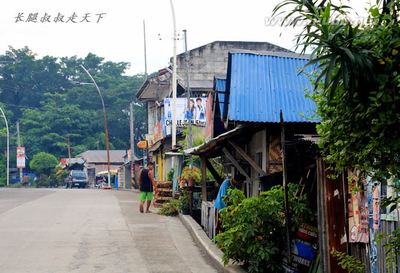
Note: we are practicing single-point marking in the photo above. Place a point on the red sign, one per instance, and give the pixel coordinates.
(20, 157)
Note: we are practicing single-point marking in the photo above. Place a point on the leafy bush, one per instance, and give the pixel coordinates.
(43, 163)
(170, 175)
(391, 244)
(254, 228)
(184, 200)
(191, 173)
(170, 208)
(348, 263)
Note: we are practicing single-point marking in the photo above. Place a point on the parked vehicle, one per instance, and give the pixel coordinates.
(77, 178)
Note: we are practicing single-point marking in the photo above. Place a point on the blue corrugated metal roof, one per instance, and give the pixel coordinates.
(259, 86)
(220, 85)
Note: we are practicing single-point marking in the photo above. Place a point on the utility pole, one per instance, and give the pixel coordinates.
(145, 49)
(19, 145)
(173, 78)
(8, 147)
(132, 139)
(69, 151)
(187, 60)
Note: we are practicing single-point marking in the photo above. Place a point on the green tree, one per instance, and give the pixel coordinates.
(43, 163)
(46, 96)
(357, 83)
(357, 89)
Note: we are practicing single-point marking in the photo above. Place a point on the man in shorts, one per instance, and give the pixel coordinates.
(146, 185)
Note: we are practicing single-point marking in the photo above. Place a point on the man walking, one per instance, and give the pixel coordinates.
(146, 185)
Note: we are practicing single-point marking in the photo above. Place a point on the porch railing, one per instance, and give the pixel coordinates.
(208, 218)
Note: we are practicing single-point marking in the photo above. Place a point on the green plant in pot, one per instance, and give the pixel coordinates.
(170, 175)
(184, 200)
(191, 175)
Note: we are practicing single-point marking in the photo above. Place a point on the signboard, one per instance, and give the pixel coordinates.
(142, 144)
(20, 157)
(196, 113)
(357, 212)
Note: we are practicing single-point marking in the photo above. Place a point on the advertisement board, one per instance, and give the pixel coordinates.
(196, 113)
(20, 157)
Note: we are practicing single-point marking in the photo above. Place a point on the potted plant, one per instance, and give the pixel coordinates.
(170, 175)
(190, 176)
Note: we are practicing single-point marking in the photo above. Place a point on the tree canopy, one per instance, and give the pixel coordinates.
(43, 163)
(54, 99)
(357, 82)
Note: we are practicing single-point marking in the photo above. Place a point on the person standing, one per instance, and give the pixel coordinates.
(236, 182)
(200, 111)
(219, 203)
(146, 185)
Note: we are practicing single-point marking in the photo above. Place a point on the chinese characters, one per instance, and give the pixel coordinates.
(74, 18)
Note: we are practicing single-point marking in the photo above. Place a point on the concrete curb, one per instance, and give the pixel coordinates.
(214, 253)
(122, 189)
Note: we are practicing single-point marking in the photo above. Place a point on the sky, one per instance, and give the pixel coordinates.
(117, 34)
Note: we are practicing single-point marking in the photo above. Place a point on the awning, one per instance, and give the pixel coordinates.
(113, 171)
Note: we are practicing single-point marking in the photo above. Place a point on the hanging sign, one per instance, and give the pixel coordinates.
(142, 144)
(20, 157)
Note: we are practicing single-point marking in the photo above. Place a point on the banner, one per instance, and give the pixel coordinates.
(20, 157)
(358, 211)
(196, 113)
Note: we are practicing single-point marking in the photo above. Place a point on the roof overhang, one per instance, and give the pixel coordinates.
(212, 146)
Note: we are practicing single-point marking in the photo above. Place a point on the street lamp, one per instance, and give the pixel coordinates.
(8, 147)
(105, 124)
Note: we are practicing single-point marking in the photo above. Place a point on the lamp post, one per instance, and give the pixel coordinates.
(8, 147)
(105, 124)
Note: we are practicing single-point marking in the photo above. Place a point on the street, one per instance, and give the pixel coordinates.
(45, 230)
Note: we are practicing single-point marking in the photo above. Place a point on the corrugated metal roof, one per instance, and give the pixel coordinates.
(260, 85)
(220, 85)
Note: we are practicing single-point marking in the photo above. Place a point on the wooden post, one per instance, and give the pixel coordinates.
(322, 218)
(203, 179)
(285, 189)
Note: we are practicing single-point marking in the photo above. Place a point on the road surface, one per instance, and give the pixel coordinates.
(64, 230)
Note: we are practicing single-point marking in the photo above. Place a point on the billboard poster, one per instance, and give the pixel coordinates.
(196, 113)
(20, 157)
(358, 212)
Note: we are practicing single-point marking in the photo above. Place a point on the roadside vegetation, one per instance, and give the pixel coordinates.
(55, 103)
(357, 92)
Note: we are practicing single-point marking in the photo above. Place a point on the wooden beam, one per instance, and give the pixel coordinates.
(235, 163)
(285, 189)
(213, 172)
(203, 179)
(248, 159)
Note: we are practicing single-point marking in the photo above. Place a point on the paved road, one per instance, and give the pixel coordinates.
(90, 231)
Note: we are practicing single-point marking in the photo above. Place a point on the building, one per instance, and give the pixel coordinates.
(205, 62)
(96, 162)
(260, 110)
